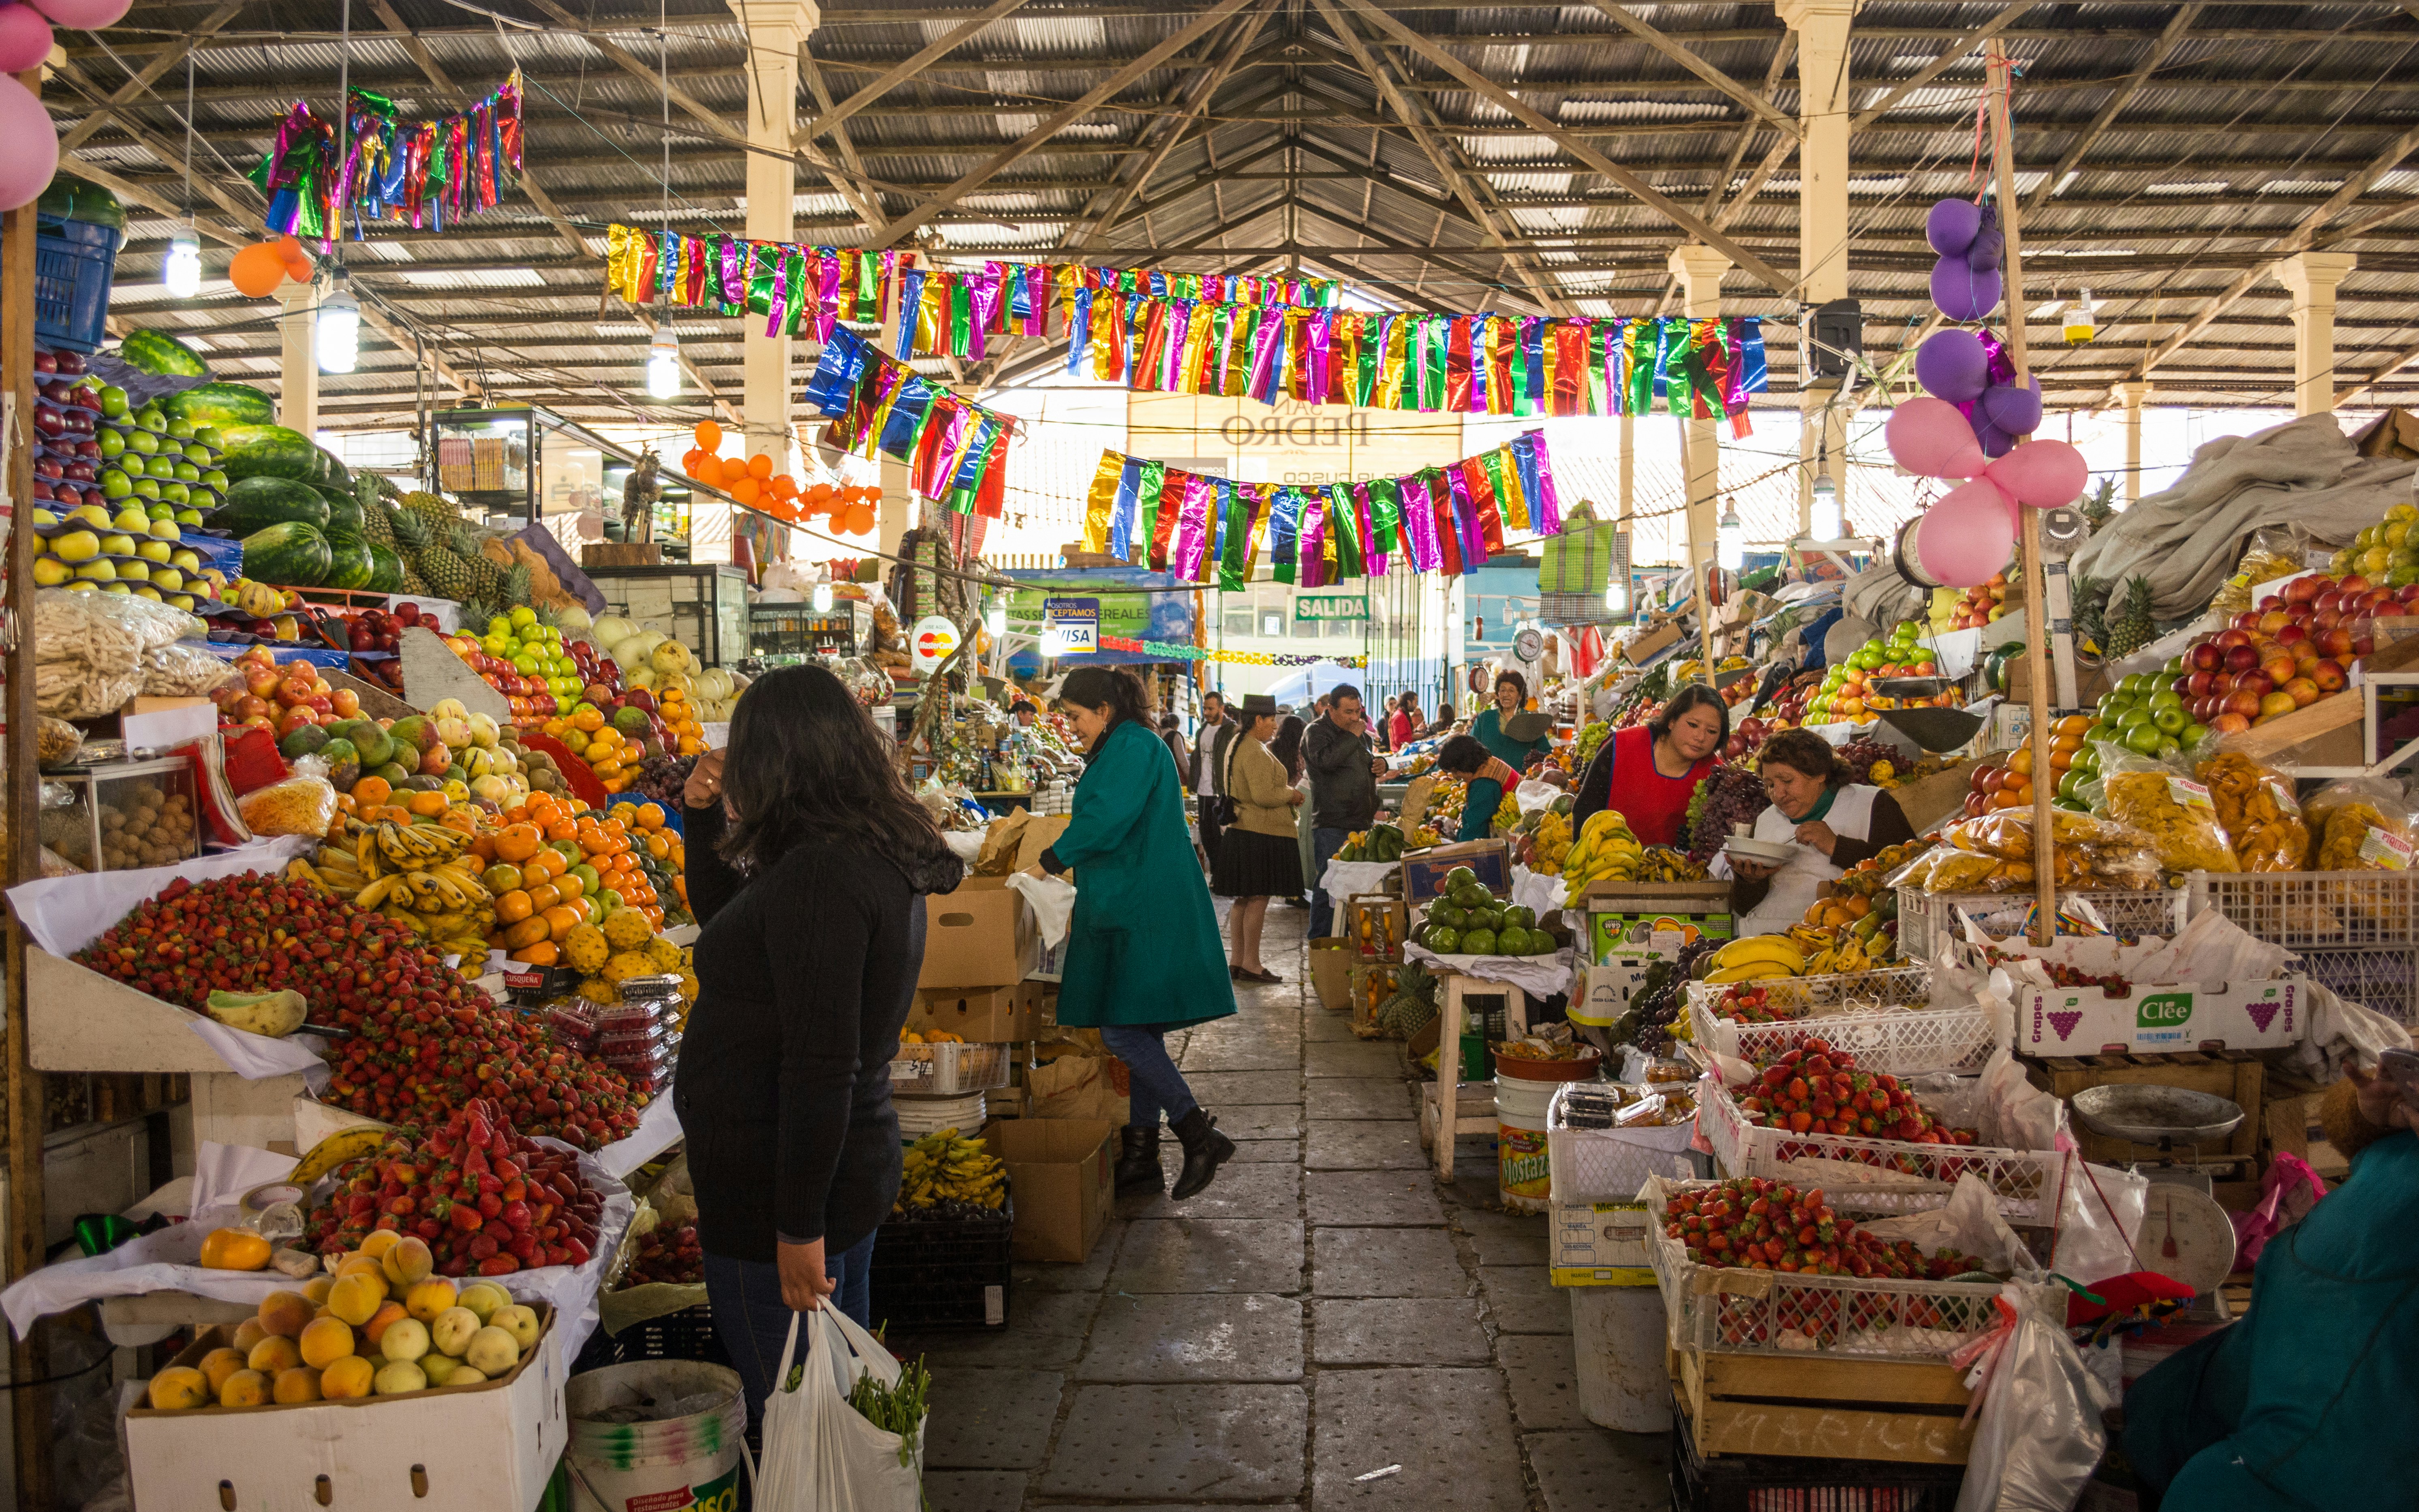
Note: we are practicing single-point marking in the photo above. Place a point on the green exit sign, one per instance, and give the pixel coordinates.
(1314, 608)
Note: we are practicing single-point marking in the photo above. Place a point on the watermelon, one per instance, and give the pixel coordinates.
(262, 450)
(291, 553)
(349, 564)
(344, 513)
(156, 351)
(257, 503)
(333, 474)
(386, 569)
(221, 404)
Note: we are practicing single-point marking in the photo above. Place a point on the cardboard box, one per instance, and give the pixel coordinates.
(1642, 650)
(1060, 1171)
(982, 1015)
(984, 935)
(2255, 1015)
(1930, 800)
(493, 1444)
(1331, 961)
(1600, 1245)
(1624, 942)
(1423, 871)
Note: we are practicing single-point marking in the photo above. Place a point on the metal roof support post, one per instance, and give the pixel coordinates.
(2311, 277)
(776, 30)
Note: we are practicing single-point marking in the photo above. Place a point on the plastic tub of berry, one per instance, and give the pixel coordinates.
(1604, 1139)
(1885, 1017)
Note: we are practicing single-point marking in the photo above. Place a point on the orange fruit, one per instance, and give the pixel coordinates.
(515, 906)
(234, 1249)
(527, 933)
(425, 805)
(545, 896)
(559, 829)
(651, 816)
(517, 842)
(659, 847)
(569, 884)
(561, 920)
(538, 953)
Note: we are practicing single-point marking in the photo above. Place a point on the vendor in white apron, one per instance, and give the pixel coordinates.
(1836, 823)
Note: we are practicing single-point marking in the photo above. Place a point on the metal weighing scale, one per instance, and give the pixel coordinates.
(1937, 731)
(2184, 1233)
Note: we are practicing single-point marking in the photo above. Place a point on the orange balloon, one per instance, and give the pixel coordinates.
(709, 470)
(872, 494)
(819, 495)
(784, 485)
(257, 271)
(297, 262)
(709, 435)
(745, 491)
(858, 521)
(689, 461)
(759, 466)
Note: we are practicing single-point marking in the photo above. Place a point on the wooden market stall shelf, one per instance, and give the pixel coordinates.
(2239, 1077)
(1902, 1411)
(2336, 737)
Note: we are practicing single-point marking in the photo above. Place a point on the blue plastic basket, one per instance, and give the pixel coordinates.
(73, 264)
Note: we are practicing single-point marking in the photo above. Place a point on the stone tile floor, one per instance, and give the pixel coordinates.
(1323, 1310)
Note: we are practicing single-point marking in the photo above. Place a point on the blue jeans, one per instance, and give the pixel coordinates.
(754, 1324)
(1324, 843)
(1154, 1086)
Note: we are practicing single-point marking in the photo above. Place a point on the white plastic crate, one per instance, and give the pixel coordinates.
(1892, 1175)
(1730, 1310)
(946, 1070)
(1926, 918)
(1611, 1165)
(1884, 1017)
(2357, 931)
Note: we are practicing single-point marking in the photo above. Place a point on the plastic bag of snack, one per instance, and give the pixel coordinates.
(2174, 810)
(2361, 824)
(298, 806)
(2257, 809)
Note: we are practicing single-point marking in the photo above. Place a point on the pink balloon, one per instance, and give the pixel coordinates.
(1928, 437)
(2042, 473)
(84, 15)
(25, 38)
(26, 171)
(1966, 536)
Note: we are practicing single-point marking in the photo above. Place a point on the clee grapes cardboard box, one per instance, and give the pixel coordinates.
(493, 1444)
(1628, 934)
(1423, 871)
(2252, 1015)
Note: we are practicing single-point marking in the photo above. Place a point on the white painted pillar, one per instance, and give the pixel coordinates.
(1628, 514)
(776, 30)
(2311, 277)
(2133, 394)
(298, 367)
(1822, 110)
(1700, 271)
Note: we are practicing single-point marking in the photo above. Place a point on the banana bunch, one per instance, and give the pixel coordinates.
(1661, 863)
(336, 868)
(946, 1167)
(348, 1144)
(1607, 851)
(1847, 955)
(406, 845)
(421, 874)
(1756, 958)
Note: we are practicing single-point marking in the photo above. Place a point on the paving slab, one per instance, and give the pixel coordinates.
(1596, 1470)
(1089, 1275)
(1450, 1429)
(1319, 1026)
(1256, 1152)
(1219, 1090)
(1541, 1371)
(1368, 1198)
(1203, 1255)
(1241, 1336)
(1263, 1189)
(975, 1490)
(1045, 1331)
(1397, 1330)
(1260, 1051)
(1358, 1097)
(1362, 1057)
(1258, 1121)
(1526, 1245)
(985, 1419)
(1385, 1262)
(1363, 1145)
(1520, 1300)
(1192, 1441)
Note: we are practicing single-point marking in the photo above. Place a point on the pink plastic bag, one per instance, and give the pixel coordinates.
(2290, 1191)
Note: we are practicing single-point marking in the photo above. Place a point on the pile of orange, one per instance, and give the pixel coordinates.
(548, 863)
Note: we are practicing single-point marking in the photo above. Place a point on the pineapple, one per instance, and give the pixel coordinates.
(448, 575)
(377, 524)
(414, 584)
(2100, 505)
(436, 511)
(2091, 598)
(516, 586)
(2136, 629)
(487, 578)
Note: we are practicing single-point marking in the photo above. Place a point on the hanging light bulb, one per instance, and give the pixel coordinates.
(823, 597)
(2082, 320)
(183, 269)
(995, 616)
(339, 326)
(1823, 518)
(1730, 538)
(663, 364)
(1616, 596)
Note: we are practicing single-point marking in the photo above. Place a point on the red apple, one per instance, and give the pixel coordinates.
(2279, 668)
(249, 706)
(2335, 641)
(2229, 639)
(2243, 702)
(2273, 621)
(2207, 657)
(2302, 590)
(295, 718)
(2292, 635)
(2363, 644)
(2195, 685)
(262, 721)
(2241, 658)
(2408, 593)
(2275, 703)
(2247, 620)
(2221, 684)
(346, 702)
(260, 681)
(2230, 723)
(2356, 583)
(434, 760)
(2303, 691)
(322, 705)
(2329, 675)
(2270, 601)
(2254, 682)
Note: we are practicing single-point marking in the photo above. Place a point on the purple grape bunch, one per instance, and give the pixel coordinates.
(1728, 796)
(661, 777)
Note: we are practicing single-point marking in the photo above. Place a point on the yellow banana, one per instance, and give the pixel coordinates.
(1752, 971)
(379, 891)
(338, 1148)
(1775, 948)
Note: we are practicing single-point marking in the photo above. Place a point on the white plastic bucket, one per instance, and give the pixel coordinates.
(1617, 1336)
(678, 1463)
(1523, 1172)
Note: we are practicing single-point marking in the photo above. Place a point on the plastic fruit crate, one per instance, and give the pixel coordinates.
(943, 1274)
(73, 264)
(1892, 1175)
(1611, 1165)
(2357, 932)
(686, 1334)
(1882, 1016)
(1792, 1483)
(947, 1070)
(1733, 1310)
(1927, 918)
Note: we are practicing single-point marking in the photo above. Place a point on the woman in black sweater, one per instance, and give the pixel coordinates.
(808, 863)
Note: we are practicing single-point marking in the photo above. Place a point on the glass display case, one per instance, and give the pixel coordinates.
(520, 464)
(671, 505)
(123, 815)
(704, 606)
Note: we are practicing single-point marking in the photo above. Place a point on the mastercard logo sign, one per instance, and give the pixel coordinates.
(933, 640)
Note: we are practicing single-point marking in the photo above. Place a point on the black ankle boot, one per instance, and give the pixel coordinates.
(1205, 1151)
(1138, 1160)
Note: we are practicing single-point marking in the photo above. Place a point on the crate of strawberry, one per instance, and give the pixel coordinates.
(1816, 1116)
(1888, 1019)
(1757, 1265)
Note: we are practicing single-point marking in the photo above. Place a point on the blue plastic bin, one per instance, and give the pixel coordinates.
(73, 264)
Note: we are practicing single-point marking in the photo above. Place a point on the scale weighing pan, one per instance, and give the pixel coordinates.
(2161, 1116)
(1910, 687)
(1937, 731)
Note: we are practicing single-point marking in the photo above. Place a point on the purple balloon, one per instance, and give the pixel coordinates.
(2014, 410)
(1952, 365)
(1990, 248)
(1962, 293)
(1950, 226)
(1994, 441)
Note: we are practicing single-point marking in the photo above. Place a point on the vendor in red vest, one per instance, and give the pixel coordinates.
(1648, 773)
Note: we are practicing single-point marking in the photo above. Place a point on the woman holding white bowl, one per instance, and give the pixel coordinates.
(1832, 824)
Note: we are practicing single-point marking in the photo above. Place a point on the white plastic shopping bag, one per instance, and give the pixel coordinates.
(822, 1454)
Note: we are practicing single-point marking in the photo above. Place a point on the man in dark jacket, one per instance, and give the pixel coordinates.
(1206, 777)
(1343, 791)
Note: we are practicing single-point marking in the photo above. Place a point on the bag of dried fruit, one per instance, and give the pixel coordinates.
(2257, 809)
(2175, 810)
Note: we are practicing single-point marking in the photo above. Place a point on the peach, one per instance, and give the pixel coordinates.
(438, 1367)
(356, 1298)
(380, 1242)
(465, 1375)
(492, 1350)
(218, 1365)
(299, 1384)
(428, 1298)
(389, 1313)
(272, 1354)
(178, 1388)
(245, 1388)
(248, 1333)
(318, 1288)
(482, 1298)
(405, 1340)
(452, 1329)
(285, 1313)
(351, 1375)
(519, 1322)
(399, 1378)
(406, 1261)
(326, 1341)
(359, 1265)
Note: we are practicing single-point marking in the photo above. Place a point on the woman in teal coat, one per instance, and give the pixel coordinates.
(1510, 696)
(1144, 955)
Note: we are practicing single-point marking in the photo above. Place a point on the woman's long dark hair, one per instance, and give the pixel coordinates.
(1287, 746)
(1462, 754)
(807, 767)
(1113, 689)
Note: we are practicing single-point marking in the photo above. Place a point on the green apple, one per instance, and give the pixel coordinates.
(181, 428)
(215, 479)
(166, 529)
(112, 443)
(143, 442)
(153, 551)
(167, 579)
(97, 570)
(147, 488)
(112, 401)
(208, 436)
(186, 515)
(187, 558)
(92, 514)
(176, 493)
